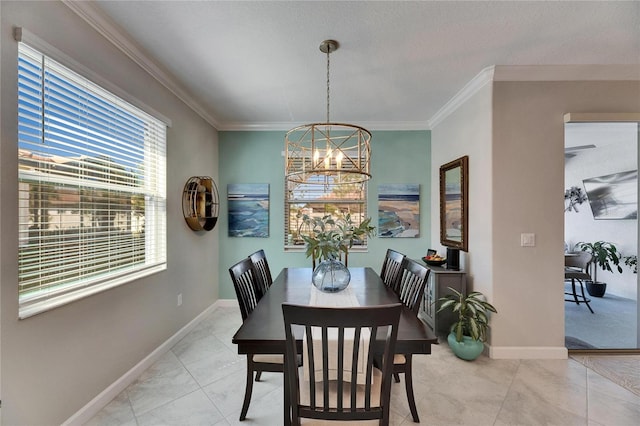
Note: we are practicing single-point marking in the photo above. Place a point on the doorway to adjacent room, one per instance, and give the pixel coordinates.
(601, 193)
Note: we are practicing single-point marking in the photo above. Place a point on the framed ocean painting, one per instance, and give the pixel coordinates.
(399, 210)
(248, 205)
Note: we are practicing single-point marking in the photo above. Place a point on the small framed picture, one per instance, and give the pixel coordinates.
(431, 252)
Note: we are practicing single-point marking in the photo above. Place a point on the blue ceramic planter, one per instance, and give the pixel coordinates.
(468, 349)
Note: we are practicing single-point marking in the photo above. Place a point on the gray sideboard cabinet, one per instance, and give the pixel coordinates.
(437, 286)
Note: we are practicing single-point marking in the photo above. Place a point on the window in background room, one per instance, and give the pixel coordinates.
(335, 196)
(92, 198)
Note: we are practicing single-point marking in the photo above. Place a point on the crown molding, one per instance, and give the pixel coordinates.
(587, 72)
(471, 88)
(116, 35)
(601, 117)
(614, 72)
(285, 126)
(395, 125)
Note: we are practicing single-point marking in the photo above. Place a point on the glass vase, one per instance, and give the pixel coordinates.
(331, 276)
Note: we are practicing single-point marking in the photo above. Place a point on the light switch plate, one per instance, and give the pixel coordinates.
(528, 240)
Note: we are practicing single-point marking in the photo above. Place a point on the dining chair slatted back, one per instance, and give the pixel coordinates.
(329, 386)
(391, 268)
(259, 260)
(248, 291)
(411, 285)
(246, 285)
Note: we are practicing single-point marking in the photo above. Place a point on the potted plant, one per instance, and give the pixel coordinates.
(632, 263)
(606, 256)
(469, 331)
(326, 240)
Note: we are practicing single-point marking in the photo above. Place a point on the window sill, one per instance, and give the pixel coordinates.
(29, 309)
(302, 249)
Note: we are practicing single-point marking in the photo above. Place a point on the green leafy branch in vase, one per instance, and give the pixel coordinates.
(328, 237)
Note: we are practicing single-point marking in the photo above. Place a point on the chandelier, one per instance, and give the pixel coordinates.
(327, 153)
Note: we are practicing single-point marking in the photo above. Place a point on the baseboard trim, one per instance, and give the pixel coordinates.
(528, 352)
(227, 303)
(92, 408)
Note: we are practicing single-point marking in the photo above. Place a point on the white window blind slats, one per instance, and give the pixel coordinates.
(334, 197)
(91, 133)
(92, 196)
(64, 138)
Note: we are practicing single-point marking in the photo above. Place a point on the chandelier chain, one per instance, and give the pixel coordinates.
(328, 86)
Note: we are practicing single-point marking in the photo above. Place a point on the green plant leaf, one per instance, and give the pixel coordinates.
(471, 311)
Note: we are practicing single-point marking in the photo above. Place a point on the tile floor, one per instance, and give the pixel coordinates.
(200, 381)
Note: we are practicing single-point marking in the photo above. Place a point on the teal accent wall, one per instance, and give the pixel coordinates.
(258, 157)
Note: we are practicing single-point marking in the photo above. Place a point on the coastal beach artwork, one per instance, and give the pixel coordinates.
(399, 210)
(248, 209)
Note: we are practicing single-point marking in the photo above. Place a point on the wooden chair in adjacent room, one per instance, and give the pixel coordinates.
(391, 268)
(249, 292)
(330, 387)
(411, 284)
(576, 268)
(259, 260)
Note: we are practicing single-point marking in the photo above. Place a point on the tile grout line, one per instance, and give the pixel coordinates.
(586, 379)
(198, 383)
(506, 395)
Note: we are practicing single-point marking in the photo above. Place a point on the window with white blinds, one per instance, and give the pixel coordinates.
(334, 196)
(92, 198)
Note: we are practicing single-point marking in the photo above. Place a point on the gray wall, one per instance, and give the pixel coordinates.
(513, 132)
(467, 131)
(528, 150)
(52, 364)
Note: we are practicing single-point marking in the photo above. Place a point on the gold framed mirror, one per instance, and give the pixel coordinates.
(454, 205)
(200, 203)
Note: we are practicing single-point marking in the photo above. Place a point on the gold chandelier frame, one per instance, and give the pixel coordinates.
(318, 152)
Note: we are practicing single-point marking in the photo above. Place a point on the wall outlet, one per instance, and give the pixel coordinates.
(179, 299)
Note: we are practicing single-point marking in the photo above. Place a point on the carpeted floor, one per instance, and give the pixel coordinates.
(575, 343)
(613, 325)
(621, 369)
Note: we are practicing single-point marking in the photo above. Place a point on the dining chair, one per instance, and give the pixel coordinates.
(411, 284)
(249, 293)
(391, 268)
(259, 260)
(576, 268)
(330, 387)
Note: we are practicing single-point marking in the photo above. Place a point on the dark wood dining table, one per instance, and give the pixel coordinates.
(263, 331)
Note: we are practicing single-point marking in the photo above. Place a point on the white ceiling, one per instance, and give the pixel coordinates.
(256, 64)
(599, 135)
